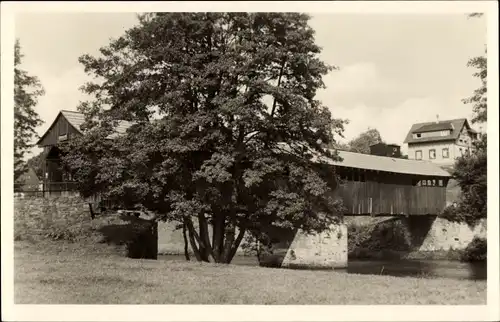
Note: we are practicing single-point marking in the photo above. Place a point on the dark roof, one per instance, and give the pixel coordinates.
(455, 126)
(441, 126)
(385, 144)
(76, 119)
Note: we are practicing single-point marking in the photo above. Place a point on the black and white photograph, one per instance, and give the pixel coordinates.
(286, 154)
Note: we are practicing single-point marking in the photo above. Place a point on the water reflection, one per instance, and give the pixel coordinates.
(414, 268)
(420, 268)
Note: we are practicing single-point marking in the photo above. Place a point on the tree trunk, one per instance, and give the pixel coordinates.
(192, 239)
(230, 232)
(218, 236)
(236, 244)
(184, 235)
(207, 256)
(205, 238)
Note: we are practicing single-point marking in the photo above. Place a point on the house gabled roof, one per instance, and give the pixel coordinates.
(76, 119)
(455, 126)
(435, 127)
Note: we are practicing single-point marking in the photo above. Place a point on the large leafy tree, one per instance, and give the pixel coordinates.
(225, 126)
(27, 90)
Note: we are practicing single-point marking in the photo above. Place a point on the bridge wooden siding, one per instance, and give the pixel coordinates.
(375, 198)
(374, 185)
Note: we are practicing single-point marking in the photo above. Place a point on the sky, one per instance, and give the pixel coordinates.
(394, 69)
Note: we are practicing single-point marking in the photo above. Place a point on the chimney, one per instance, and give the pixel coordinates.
(437, 118)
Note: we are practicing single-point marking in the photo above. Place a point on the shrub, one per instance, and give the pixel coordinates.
(476, 251)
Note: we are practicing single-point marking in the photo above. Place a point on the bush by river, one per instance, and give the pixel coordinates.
(391, 239)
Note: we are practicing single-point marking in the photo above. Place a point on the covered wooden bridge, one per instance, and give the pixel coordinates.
(377, 185)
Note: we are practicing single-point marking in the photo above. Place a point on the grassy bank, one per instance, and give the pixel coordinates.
(61, 273)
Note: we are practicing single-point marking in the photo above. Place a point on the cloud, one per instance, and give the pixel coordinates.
(352, 78)
(359, 83)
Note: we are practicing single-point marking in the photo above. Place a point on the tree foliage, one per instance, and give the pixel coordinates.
(205, 149)
(37, 163)
(479, 99)
(470, 171)
(361, 144)
(27, 89)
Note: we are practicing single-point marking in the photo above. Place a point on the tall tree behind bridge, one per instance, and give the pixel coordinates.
(205, 147)
(362, 143)
(27, 90)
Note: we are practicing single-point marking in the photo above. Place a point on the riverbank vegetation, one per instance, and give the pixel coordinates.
(390, 239)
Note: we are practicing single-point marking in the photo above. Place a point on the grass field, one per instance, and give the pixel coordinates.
(57, 273)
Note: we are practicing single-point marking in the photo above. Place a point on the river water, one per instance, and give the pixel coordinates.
(401, 268)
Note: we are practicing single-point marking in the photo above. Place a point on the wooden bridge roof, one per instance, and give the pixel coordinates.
(388, 164)
(382, 163)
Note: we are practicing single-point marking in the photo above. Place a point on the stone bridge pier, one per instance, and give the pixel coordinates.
(329, 250)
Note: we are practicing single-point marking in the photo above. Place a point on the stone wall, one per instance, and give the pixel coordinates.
(68, 220)
(446, 235)
(296, 249)
(38, 218)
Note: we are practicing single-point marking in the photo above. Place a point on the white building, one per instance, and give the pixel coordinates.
(440, 142)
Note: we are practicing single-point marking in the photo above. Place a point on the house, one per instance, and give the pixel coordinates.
(440, 142)
(66, 126)
(385, 150)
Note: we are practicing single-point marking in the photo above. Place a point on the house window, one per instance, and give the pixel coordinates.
(441, 183)
(418, 155)
(446, 153)
(432, 154)
(419, 135)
